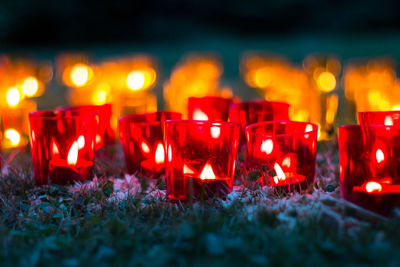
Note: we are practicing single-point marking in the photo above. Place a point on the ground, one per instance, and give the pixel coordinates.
(118, 219)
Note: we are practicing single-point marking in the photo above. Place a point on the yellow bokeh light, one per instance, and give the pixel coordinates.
(136, 80)
(13, 136)
(30, 86)
(80, 74)
(326, 81)
(13, 96)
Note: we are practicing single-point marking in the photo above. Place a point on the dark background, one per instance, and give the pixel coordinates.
(27, 23)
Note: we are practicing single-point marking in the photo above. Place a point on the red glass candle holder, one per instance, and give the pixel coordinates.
(104, 132)
(388, 118)
(62, 146)
(369, 166)
(209, 108)
(284, 153)
(141, 136)
(200, 158)
(250, 112)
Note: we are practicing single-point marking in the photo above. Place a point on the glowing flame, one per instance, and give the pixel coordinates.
(72, 158)
(30, 86)
(145, 147)
(99, 97)
(286, 162)
(80, 74)
(207, 172)
(136, 80)
(81, 142)
(13, 136)
(280, 175)
(215, 132)
(13, 96)
(388, 121)
(326, 81)
(372, 187)
(55, 151)
(187, 169)
(159, 156)
(380, 156)
(267, 146)
(199, 115)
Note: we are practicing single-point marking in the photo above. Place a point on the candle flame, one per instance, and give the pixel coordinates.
(280, 175)
(145, 147)
(72, 158)
(326, 81)
(160, 153)
(207, 172)
(267, 146)
(81, 142)
(80, 74)
(199, 115)
(380, 156)
(13, 96)
(13, 136)
(55, 151)
(373, 187)
(135, 80)
(30, 86)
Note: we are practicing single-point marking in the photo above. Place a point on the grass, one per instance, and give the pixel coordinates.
(116, 222)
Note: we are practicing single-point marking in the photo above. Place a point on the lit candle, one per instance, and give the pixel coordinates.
(287, 148)
(199, 162)
(141, 136)
(62, 146)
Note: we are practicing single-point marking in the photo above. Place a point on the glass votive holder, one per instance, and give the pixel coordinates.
(388, 118)
(62, 146)
(141, 136)
(200, 158)
(104, 132)
(369, 166)
(255, 111)
(208, 108)
(283, 152)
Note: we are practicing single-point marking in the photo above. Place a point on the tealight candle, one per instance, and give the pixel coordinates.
(287, 148)
(369, 169)
(62, 146)
(250, 112)
(200, 158)
(104, 132)
(141, 136)
(208, 108)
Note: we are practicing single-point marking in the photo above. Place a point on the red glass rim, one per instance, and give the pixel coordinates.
(57, 114)
(206, 123)
(210, 98)
(369, 126)
(259, 104)
(141, 118)
(85, 107)
(249, 128)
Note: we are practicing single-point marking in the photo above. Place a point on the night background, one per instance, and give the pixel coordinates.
(119, 219)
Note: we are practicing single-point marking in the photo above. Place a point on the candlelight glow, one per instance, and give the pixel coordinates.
(135, 80)
(169, 154)
(99, 97)
(72, 158)
(199, 115)
(380, 156)
(326, 81)
(207, 172)
(13, 136)
(80, 74)
(159, 155)
(13, 96)
(286, 162)
(373, 187)
(98, 139)
(267, 146)
(30, 86)
(55, 151)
